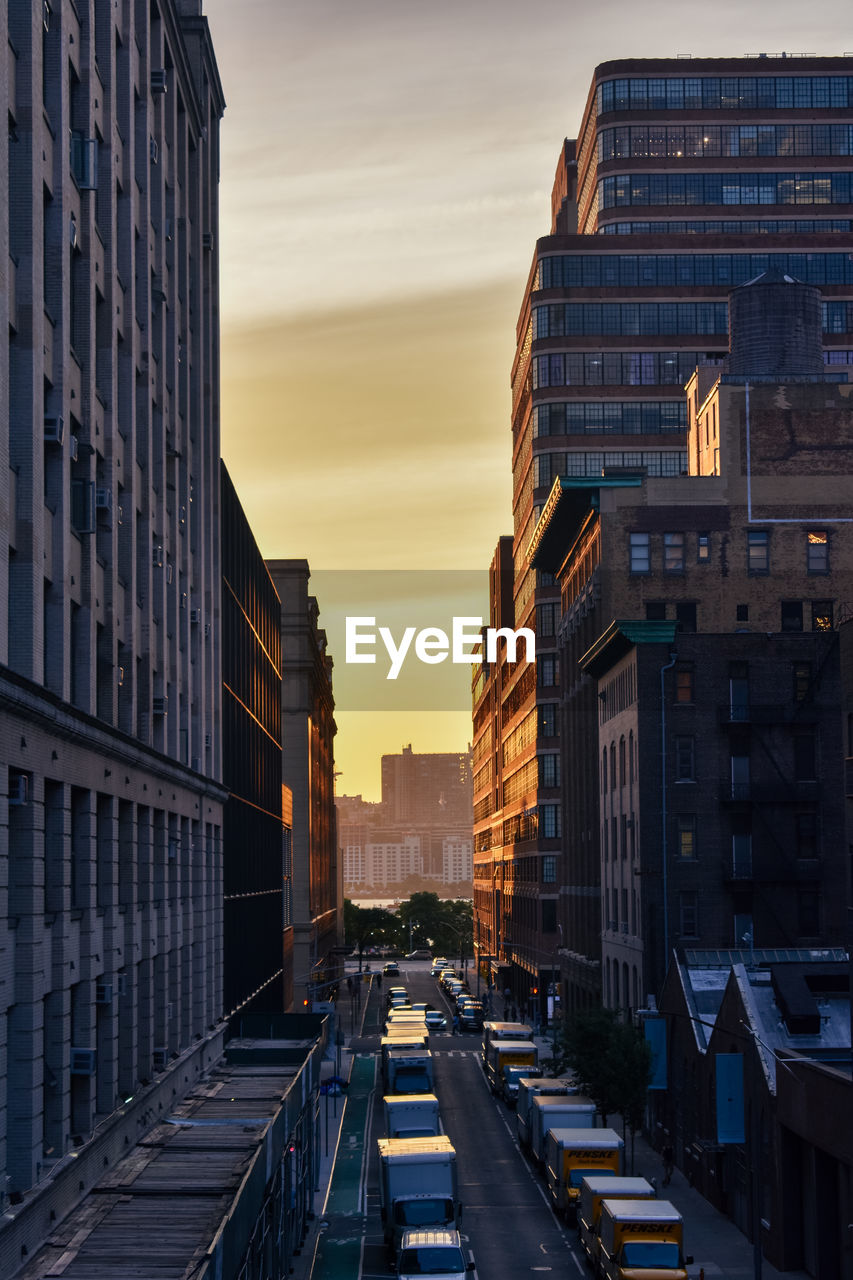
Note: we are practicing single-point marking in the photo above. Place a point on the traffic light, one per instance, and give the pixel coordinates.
(534, 991)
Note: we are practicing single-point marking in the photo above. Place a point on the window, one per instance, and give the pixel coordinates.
(821, 615)
(640, 561)
(673, 552)
(685, 825)
(685, 615)
(808, 913)
(656, 611)
(802, 680)
(546, 671)
(622, 770)
(549, 916)
(549, 869)
(742, 613)
(703, 547)
(804, 757)
(758, 551)
(688, 914)
(742, 855)
(549, 771)
(684, 684)
(806, 830)
(551, 826)
(817, 551)
(792, 615)
(547, 720)
(684, 762)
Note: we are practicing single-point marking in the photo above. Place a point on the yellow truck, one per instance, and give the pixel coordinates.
(573, 1154)
(641, 1238)
(594, 1189)
(508, 1053)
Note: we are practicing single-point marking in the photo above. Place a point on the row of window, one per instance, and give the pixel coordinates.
(793, 613)
(617, 368)
(816, 551)
(632, 270)
(586, 319)
(581, 417)
(723, 188)
(723, 93)
(672, 141)
(743, 227)
(547, 466)
(808, 917)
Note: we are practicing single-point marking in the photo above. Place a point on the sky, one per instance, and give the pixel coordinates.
(386, 170)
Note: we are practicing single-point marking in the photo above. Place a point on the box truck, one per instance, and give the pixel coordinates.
(551, 1111)
(418, 1186)
(594, 1189)
(641, 1237)
(573, 1154)
(508, 1053)
(411, 1115)
(530, 1088)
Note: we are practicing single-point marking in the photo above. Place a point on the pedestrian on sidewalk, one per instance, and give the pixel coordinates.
(667, 1156)
(456, 1024)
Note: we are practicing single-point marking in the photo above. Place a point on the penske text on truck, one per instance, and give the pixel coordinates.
(641, 1238)
(417, 1185)
(411, 1115)
(594, 1189)
(571, 1155)
(505, 1053)
(550, 1111)
(530, 1087)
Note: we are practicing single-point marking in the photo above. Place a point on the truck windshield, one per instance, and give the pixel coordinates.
(577, 1176)
(651, 1253)
(423, 1213)
(439, 1261)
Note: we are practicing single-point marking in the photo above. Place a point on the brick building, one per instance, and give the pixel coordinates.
(713, 714)
(686, 178)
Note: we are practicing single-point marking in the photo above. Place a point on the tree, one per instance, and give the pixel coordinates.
(363, 925)
(611, 1062)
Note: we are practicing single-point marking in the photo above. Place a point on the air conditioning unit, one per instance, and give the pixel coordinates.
(119, 514)
(120, 676)
(169, 573)
(19, 789)
(159, 82)
(158, 706)
(183, 599)
(195, 616)
(153, 150)
(54, 429)
(104, 499)
(72, 448)
(103, 993)
(82, 1062)
(161, 1059)
(157, 557)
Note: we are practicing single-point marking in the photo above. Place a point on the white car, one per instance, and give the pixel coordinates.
(437, 1253)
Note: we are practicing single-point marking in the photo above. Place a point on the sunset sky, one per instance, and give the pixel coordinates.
(386, 169)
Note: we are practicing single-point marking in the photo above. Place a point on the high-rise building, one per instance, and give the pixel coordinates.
(426, 788)
(687, 177)
(110, 683)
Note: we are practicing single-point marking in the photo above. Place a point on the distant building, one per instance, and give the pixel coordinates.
(426, 789)
(308, 732)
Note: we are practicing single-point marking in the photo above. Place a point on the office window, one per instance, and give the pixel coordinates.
(802, 680)
(685, 825)
(549, 869)
(551, 816)
(549, 770)
(684, 684)
(821, 615)
(640, 556)
(703, 546)
(684, 762)
(817, 551)
(688, 914)
(758, 551)
(546, 670)
(792, 615)
(673, 552)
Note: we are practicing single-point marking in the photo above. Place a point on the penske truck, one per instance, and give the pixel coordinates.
(573, 1154)
(594, 1189)
(641, 1238)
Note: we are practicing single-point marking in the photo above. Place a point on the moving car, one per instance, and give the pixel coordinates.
(422, 953)
(391, 969)
(432, 1253)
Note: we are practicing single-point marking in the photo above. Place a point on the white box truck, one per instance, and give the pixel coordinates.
(550, 1111)
(411, 1115)
(530, 1087)
(418, 1186)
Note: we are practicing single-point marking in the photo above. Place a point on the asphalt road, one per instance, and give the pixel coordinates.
(507, 1219)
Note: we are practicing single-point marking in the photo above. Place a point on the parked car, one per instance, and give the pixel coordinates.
(439, 963)
(435, 1020)
(422, 953)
